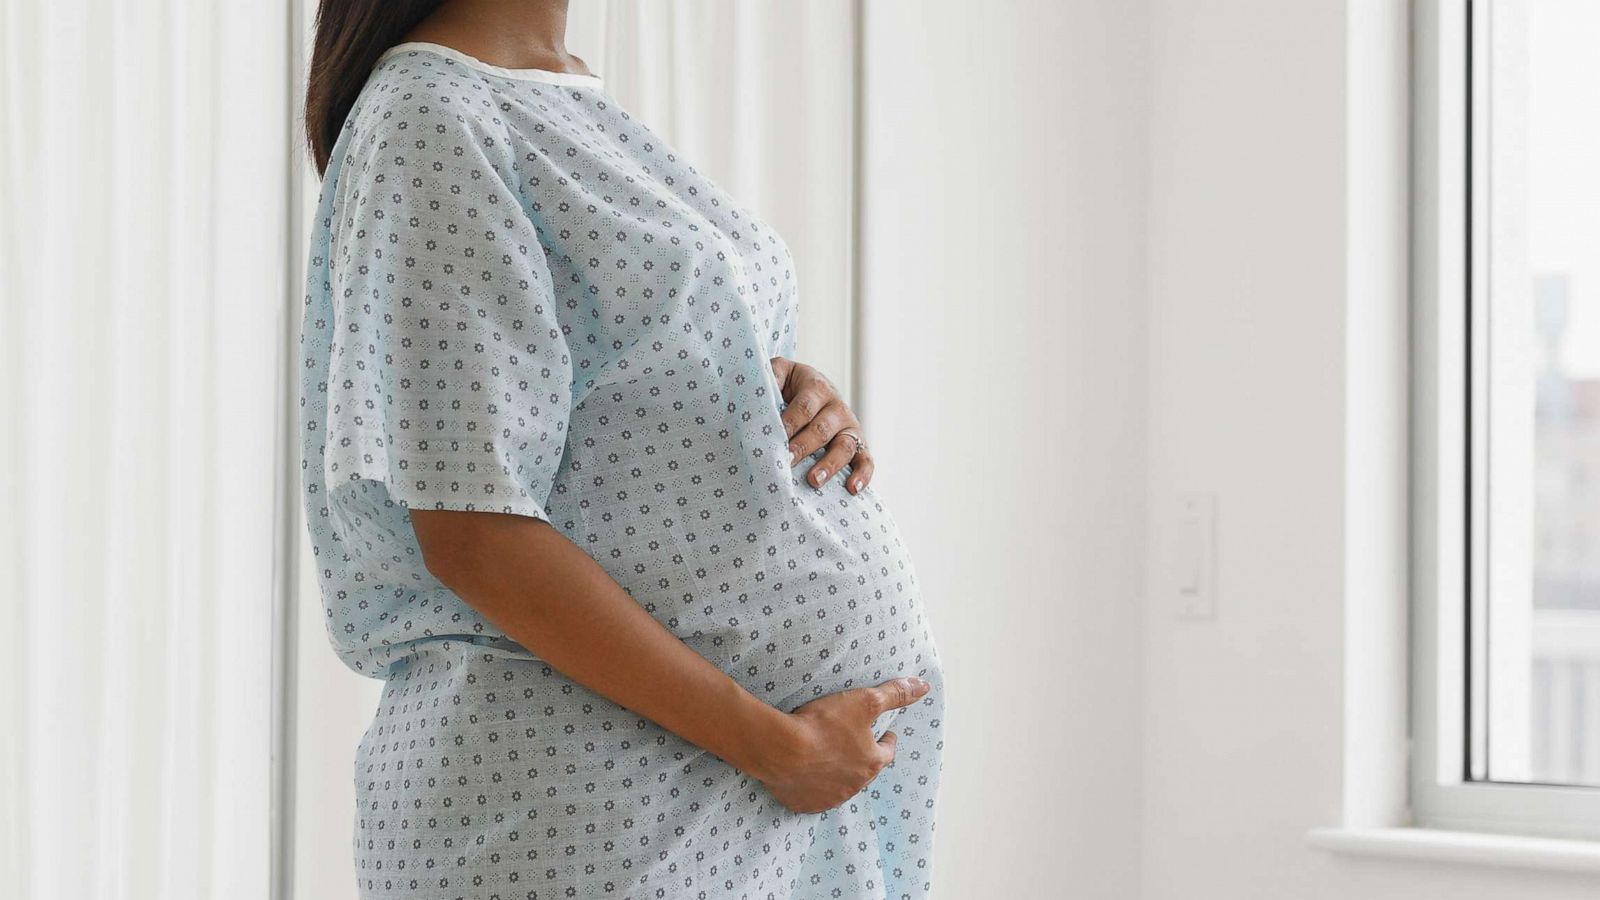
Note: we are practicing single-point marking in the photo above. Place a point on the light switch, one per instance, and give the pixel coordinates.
(1191, 550)
(1194, 556)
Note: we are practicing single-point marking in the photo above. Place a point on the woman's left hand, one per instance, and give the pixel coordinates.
(816, 415)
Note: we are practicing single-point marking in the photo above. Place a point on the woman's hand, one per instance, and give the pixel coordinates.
(816, 415)
(829, 754)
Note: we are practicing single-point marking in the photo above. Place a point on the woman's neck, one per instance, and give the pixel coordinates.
(515, 34)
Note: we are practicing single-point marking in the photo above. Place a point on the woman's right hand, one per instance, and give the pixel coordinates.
(828, 754)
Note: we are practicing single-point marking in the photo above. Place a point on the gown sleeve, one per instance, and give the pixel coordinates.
(450, 379)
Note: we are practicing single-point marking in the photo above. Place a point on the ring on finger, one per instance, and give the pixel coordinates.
(860, 444)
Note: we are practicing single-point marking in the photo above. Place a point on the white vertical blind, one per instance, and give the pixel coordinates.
(142, 272)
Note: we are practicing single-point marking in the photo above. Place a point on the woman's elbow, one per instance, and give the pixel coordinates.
(458, 547)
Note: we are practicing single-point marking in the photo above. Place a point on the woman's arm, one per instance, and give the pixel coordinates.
(548, 595)
(551, 597)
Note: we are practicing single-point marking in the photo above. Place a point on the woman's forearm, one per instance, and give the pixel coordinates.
(545, 593)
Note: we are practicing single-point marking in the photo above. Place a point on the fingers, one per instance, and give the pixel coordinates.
(840, 449)
(886, 743)
(781, 368)
(813, 416)
(806, 391)
(898, 692)
(808, 401)
(820, 430)
(861, 467)
(797, 389)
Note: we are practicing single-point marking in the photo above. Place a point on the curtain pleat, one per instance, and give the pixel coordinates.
(143, 272)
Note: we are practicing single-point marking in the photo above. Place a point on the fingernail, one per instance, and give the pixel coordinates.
(918, 683)
(822, 475)
(855, 484)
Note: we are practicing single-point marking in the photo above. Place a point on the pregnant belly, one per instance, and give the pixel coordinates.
(853, 585)
(794, 591)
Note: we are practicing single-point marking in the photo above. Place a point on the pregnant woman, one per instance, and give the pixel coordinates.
(643, 623)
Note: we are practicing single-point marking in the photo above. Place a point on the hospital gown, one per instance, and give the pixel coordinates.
(522, 300)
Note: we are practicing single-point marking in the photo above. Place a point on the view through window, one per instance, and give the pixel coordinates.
(1534, 392)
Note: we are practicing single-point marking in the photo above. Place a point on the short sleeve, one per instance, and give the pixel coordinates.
(450, 379)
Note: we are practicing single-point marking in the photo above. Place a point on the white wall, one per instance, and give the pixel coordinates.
(1003, 389)
(1256, 311)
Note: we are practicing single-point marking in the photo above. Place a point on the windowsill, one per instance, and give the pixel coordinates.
(1433, 845)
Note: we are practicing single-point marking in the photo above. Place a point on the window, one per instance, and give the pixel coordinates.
(1506, 494)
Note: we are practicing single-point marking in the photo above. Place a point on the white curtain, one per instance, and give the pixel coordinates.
(142, 275)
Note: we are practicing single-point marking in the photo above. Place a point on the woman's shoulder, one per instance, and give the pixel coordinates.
(403, 124)
(395, 107)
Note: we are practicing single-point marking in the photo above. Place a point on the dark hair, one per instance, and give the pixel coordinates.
(350, 36)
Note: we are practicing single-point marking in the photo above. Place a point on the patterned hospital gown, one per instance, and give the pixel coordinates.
(520, 299)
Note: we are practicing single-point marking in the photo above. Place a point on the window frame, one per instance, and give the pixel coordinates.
(1444, 271)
